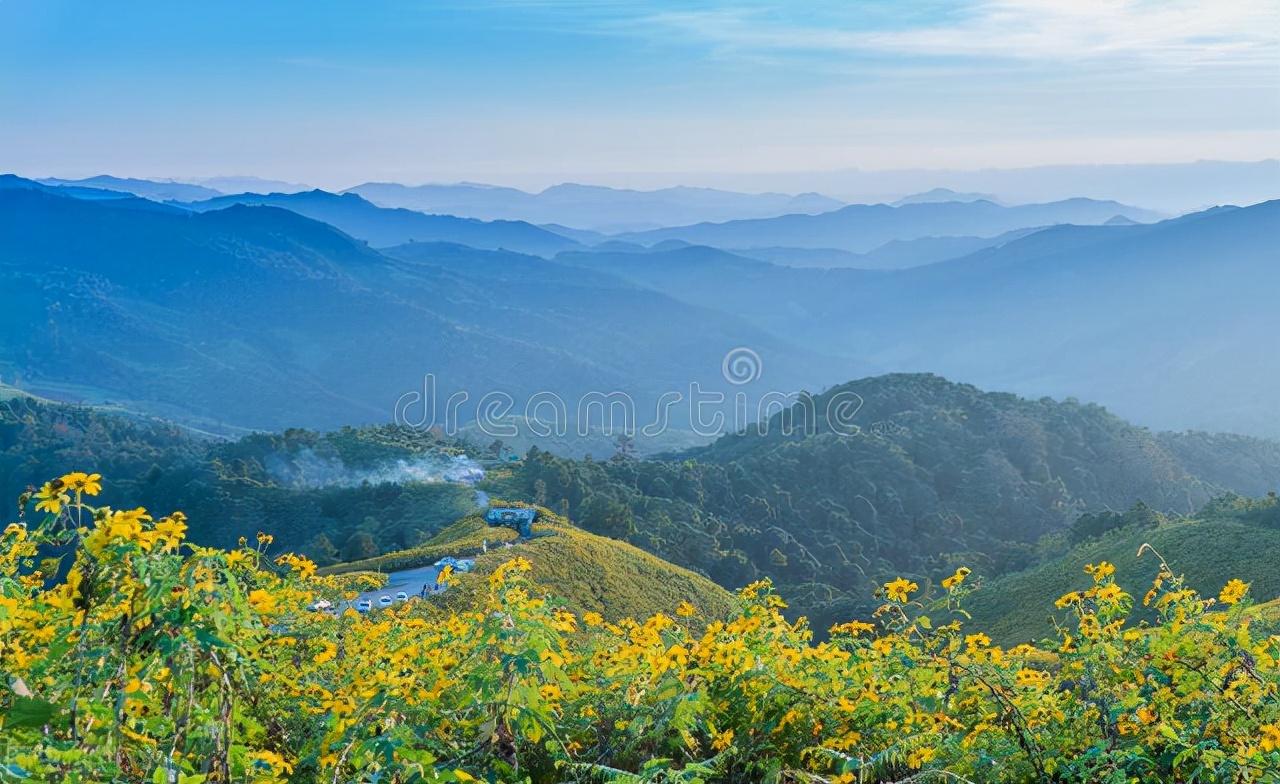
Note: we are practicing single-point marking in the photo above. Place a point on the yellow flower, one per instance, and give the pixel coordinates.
(1233, 591)
(277, 763)
(920, 757)
(1270, 737)
(686, 610)
(262, 601)
(957, 578)
(51, 497)
(1027, 677)
(550, 692)
(593, 619)
(1109, 593)
(722, 740)
(1100, 571)
(852, 628)
(89, 484)
(301, 565)
(170, 531)
(1067, 599)
(899, 589)
(978, 640)
(329, 653)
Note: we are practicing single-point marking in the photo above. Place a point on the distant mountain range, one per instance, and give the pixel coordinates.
(1158, 320)
(149, 189)
(1161, 322)
(859, 228)
(250, 185)
(382, 227)
(935, 195)
(894, 254)
(597, 208)
(1169, 187)
(255, 316)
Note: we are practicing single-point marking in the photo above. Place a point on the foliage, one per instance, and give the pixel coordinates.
(160, 661)
(936, 474)
(1229, 537)
(585, 572)
(230, 487)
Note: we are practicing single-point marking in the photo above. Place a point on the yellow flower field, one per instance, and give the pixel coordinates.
(151, 659)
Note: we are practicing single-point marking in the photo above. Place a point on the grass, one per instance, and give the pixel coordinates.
(1018, 607)
(588, 573)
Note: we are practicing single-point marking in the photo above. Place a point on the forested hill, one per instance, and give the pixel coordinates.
(925, 475)
(352, 493)
(939, 474)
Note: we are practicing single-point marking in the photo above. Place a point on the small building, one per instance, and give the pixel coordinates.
(518, 519)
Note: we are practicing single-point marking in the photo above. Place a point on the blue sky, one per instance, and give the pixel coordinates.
(529, 92)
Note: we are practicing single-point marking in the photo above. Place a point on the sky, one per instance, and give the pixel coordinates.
(532, 92)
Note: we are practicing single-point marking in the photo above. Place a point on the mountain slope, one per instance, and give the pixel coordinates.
(1209, 548)
(859, 228)
(1158, 321)
(383, 227)
(227, 317)
(933, 475)
(589, 573)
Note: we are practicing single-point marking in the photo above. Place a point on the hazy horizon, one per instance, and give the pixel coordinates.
(1177, 186)
(705, 93)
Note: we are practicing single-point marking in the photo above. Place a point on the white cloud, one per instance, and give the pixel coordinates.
(1159, 33)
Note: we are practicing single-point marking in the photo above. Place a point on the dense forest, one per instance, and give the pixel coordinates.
(934, 474)
(338, 496)
(938, 474)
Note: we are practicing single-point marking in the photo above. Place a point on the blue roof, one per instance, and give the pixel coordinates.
(506, 515)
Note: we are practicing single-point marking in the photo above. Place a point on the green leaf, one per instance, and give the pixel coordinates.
(29, 712)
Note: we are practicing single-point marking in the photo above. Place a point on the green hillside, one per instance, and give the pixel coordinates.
(932, 474)
(589, 573)
(346, 494)
(1232, 539)
(939, 474)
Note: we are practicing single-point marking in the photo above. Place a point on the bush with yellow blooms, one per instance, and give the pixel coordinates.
(141, 657)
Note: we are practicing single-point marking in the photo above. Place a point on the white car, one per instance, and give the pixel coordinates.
(384, 601)
(364, 605)
(402, 597)
(320, 606)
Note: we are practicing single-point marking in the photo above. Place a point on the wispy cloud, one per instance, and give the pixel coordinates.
(1159, 33)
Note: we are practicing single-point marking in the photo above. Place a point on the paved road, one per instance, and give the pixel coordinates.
(409, 580)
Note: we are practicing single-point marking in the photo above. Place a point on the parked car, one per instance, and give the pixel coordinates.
(384, 601)
(402, 597)
(464, 564)
(364, 605)
(320, 606)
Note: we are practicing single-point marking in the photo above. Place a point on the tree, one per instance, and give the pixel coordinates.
(322, 550)
(358, 546)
